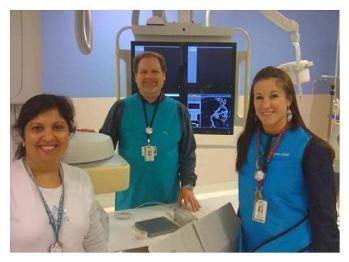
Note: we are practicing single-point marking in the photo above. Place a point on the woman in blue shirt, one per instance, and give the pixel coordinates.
(287, 196)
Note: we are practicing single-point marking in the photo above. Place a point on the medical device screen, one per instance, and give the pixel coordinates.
(201, 75)
(210, 63)
(211, 113)
(174, 60)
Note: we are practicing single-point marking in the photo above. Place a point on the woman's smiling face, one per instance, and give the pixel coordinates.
(46, 137)
(271, 103)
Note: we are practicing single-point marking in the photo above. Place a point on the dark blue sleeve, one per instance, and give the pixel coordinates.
(111, 123)
(187, 156)
(319, 179)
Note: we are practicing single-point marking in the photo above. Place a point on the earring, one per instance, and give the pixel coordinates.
(289, 115)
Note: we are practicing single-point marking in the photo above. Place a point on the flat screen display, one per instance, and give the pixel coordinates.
(201, 75)
(210, 63)
(211, 113)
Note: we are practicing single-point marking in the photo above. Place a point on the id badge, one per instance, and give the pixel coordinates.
(260, 211)
(149, 152)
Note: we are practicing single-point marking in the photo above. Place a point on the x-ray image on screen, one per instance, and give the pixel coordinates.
(210, 111)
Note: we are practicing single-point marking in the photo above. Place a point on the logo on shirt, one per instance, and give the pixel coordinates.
(283, 154)
(65, 218)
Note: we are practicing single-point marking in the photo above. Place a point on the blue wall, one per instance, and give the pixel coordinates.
(68, 72)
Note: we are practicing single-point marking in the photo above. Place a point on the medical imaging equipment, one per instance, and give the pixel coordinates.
(83, 30)
(209, 63)
(211, 113)
(201, 75)
(191, 44)
(157, 29)
(299, 69)
(95, 153)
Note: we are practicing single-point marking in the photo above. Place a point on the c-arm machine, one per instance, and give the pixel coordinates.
(298, 70)
(157, 29)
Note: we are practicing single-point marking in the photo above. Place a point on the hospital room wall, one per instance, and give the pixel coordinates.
(90, 80)
(67, 71)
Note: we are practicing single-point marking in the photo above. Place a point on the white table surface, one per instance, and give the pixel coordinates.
(123, 235)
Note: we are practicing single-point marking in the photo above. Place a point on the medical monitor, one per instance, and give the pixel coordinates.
(173, 55)
(211, 112)
(210, 63)
(201, 75)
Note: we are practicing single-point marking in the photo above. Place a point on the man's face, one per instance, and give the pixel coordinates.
(149, 77)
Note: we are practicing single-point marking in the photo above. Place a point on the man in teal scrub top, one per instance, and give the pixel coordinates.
(153, 133)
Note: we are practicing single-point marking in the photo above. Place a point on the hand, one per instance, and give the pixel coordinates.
(187, 198)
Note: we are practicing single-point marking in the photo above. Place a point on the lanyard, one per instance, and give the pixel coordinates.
(268, 154)
(55, 226)
(148, 126)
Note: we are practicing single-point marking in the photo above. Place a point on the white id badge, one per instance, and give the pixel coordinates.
(260, 211)
(149, 152)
